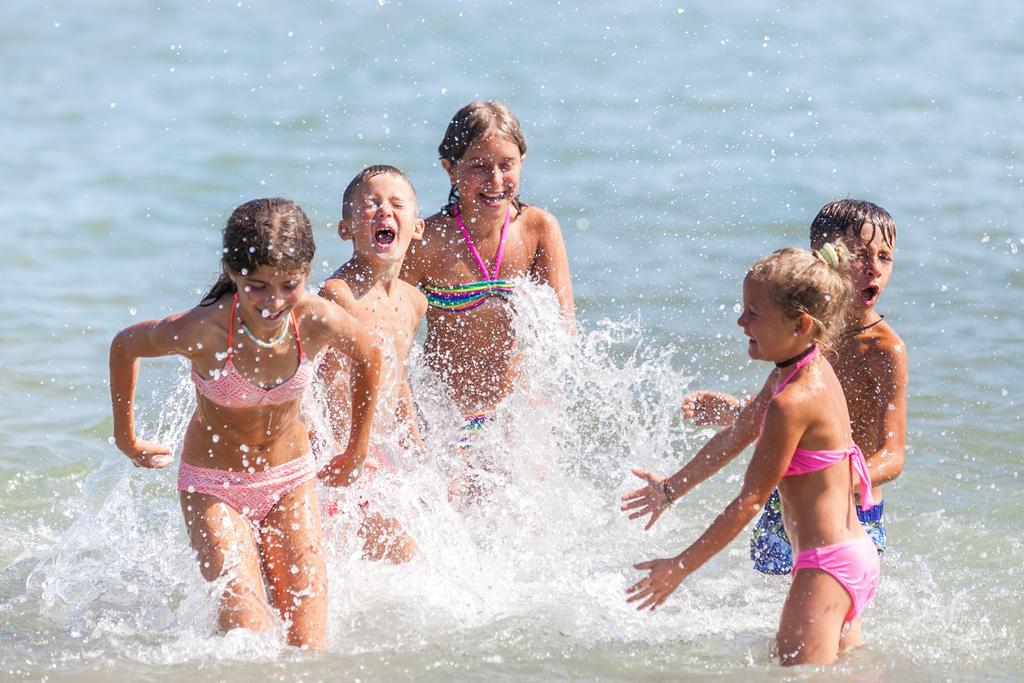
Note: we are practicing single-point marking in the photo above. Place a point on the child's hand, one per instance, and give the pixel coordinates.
(150, 454)
(650, 500)
(342, 470)
(710, 408)
(665, 577)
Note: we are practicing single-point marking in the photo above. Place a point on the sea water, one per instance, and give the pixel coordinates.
(675, 143)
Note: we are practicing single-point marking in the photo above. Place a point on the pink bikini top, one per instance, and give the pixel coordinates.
(806, 461)
(229, 389)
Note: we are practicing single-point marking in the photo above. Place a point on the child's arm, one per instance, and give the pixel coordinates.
(336, 383)
(660, 492)
(406, 407)
(349, 337)
(150, 339)
(711, 408)
(886, 463)
(407, 413)
(784, 425)
(551, 264)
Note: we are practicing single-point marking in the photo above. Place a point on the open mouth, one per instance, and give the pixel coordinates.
(383, 237)
(869, 295)
(267, 315)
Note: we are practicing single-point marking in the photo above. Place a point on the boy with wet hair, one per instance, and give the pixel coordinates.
(380, 215)
(870, 360)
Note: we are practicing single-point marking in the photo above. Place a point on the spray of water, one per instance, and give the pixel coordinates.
(541, 555)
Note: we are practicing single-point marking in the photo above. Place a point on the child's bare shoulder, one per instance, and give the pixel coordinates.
(889, 340)
(438, 230)
(884, 345)
(416, 299)
(336, 289)
(540, 222)
(799, 395)
(433, 248)
(789, 406)
(199, 327)
(877, 356)
(203, 319)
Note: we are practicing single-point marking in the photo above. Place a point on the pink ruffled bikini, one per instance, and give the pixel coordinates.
(253, 493)
(854, 564)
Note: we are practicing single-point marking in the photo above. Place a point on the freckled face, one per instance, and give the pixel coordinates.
(487, 175)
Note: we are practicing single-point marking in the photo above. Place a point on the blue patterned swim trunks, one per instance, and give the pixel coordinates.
(769, 546)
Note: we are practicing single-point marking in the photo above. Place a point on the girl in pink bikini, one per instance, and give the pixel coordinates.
(792, 302)
(472, 250)
(246, 475)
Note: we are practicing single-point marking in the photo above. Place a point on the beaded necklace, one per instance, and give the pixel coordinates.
(259, 342)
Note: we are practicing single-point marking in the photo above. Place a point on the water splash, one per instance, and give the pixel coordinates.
(538, 564)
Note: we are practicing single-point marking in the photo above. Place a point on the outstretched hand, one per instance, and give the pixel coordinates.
(710, 408)
(151, 454)
(342, 470)
(651, 591)
(651, 500)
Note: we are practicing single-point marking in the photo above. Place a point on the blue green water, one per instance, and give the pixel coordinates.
(675, 143)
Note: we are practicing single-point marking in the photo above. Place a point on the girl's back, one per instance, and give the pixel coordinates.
(817, 506)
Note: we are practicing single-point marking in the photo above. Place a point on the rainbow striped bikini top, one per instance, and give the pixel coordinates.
(469, 296)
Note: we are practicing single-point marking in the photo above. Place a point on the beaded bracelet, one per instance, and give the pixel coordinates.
(666, 491)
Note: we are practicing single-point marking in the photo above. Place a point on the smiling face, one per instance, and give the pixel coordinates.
(382, 219)
(267, 295)
(872, 264)
(770, 331)
(487, 175)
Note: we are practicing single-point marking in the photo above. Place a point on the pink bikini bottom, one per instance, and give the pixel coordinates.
(252, 494)
(854, 564)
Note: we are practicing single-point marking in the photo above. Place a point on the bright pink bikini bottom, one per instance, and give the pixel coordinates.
(854, 564)
(252, 494)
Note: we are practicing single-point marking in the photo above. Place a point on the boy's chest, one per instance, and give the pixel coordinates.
(864, 385)
(393, 321)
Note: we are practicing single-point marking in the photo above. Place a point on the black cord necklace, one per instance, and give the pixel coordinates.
(858, 330)
(797, 357)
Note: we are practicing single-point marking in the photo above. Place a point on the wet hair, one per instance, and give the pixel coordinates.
(802, 281)
(362, 177)
(474, 121)
(263, 232)
(840, 218)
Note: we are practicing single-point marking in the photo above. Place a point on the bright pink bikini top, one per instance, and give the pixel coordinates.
(805, 461)
(229, 389)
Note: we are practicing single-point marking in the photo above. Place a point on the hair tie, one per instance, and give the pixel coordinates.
(829, 255)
